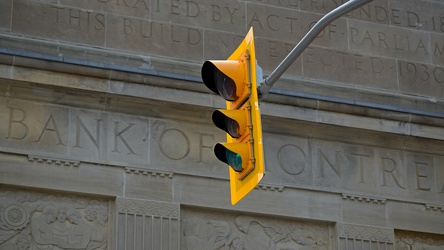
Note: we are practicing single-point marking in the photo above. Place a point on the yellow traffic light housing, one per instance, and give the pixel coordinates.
(235, 79)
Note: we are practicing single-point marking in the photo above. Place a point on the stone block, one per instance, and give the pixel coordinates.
(152, 37)
(58, 23)
(421, 176)
(53, 173)
(348, 166)
(437, 41)
(128, 140)
(185, 148)
(363, 210)
(376, 11)
(139, 8)
(350, 68)
(88, 135)
(5, 15)
(290, 26)
(389, 41)
(287, 160)
(407, 14)
(34, 127)
(421, 78)
(415, 217)
(51, 80)
(221, 15)
(148, 185)
(5, 71)
(270, 53)
(220, 45)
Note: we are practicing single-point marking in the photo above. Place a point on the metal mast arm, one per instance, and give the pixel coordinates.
(268, 82)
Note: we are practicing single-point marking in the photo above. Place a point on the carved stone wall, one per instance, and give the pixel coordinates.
(48, 220)
(413, 240)
(212, 229)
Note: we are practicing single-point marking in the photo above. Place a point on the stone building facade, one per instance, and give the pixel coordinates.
(106, 135)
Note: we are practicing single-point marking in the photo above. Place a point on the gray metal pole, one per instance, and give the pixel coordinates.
(268, 82)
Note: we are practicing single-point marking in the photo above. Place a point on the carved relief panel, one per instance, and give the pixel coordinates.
(43, 220)
(357, 237)
(421, 241)
(204, 230)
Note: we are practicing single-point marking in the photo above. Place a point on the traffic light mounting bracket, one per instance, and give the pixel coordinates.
(241, 175)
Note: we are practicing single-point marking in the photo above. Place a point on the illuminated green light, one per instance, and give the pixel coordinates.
(234, 160)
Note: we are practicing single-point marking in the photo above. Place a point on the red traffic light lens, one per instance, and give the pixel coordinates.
(225, 85)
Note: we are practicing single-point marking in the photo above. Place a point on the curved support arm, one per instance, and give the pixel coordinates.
(268, 82)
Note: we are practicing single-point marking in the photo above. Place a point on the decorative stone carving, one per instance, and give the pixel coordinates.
(146, 172)
(360, 198)
(267, 187)
(436, 208)
(213, 230)
(357, 237)
(151, 208)
(56, 162)
(413, 241)
(151, 224)
(40, 220)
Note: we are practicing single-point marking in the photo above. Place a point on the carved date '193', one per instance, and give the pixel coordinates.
(422, 72)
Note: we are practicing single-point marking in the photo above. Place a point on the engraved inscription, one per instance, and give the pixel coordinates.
(174, 144)
(103, 137)
(428, 18)
(322, 63)
(399, 13)
(137, 8)
(421, 79)
(134, 34)
(68, 23)
(195, 29)
(17, 129)
(78, 19)
(437, 49)
(221, 15)
(389, 41)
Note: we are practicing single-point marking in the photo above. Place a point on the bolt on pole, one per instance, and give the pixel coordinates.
(347, 7)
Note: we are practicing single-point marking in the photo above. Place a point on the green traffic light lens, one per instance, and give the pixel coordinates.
(234, 160)
(225, 86)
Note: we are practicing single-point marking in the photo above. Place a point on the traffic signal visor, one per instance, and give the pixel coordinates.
(234, 122)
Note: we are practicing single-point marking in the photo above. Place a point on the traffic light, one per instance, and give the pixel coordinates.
(235, 79)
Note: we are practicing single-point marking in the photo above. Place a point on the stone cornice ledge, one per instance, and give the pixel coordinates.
(147, 172)
(360, 198)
